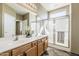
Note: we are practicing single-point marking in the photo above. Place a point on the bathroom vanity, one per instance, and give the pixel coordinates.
(33, 46)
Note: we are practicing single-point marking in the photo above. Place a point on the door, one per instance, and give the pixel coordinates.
(17, 27)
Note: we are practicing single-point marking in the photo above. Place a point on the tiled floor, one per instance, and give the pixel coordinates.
(55, 52)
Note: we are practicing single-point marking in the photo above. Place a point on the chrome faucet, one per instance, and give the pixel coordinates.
(16, 38)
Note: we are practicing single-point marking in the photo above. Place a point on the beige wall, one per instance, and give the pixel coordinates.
(0, 20)
(42, 12)
(75, 28)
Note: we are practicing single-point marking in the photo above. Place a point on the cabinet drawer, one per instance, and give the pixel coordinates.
(34, 43)
(46, 44)
(43, 39)
(8, 53)
(32, 51)
(39, 41)
(17, 51)
(20, 50)
(26, 47)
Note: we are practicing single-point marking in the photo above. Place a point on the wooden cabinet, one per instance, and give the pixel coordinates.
(8, 53)
(20, 50)
(32, 51)
(34, 48)
(45, 42)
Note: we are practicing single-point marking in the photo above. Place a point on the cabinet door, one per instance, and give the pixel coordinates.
(20, 50)
(46, 44)
(17, 52)
(40, 48)
(32, 51)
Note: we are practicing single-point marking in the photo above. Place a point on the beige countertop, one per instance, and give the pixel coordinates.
(8, 43)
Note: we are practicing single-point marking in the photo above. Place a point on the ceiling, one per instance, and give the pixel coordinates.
(52, 6)
(48, 6)
(19, 9)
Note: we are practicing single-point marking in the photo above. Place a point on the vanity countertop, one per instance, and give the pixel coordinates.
(8, 43)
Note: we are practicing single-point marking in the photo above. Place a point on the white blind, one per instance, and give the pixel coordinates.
(58, 14)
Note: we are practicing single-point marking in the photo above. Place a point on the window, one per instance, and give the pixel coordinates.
(59, 26)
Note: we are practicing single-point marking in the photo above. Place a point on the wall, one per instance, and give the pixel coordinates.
(19, 17)
(42, 13)
(75, 28)
(0, 20)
